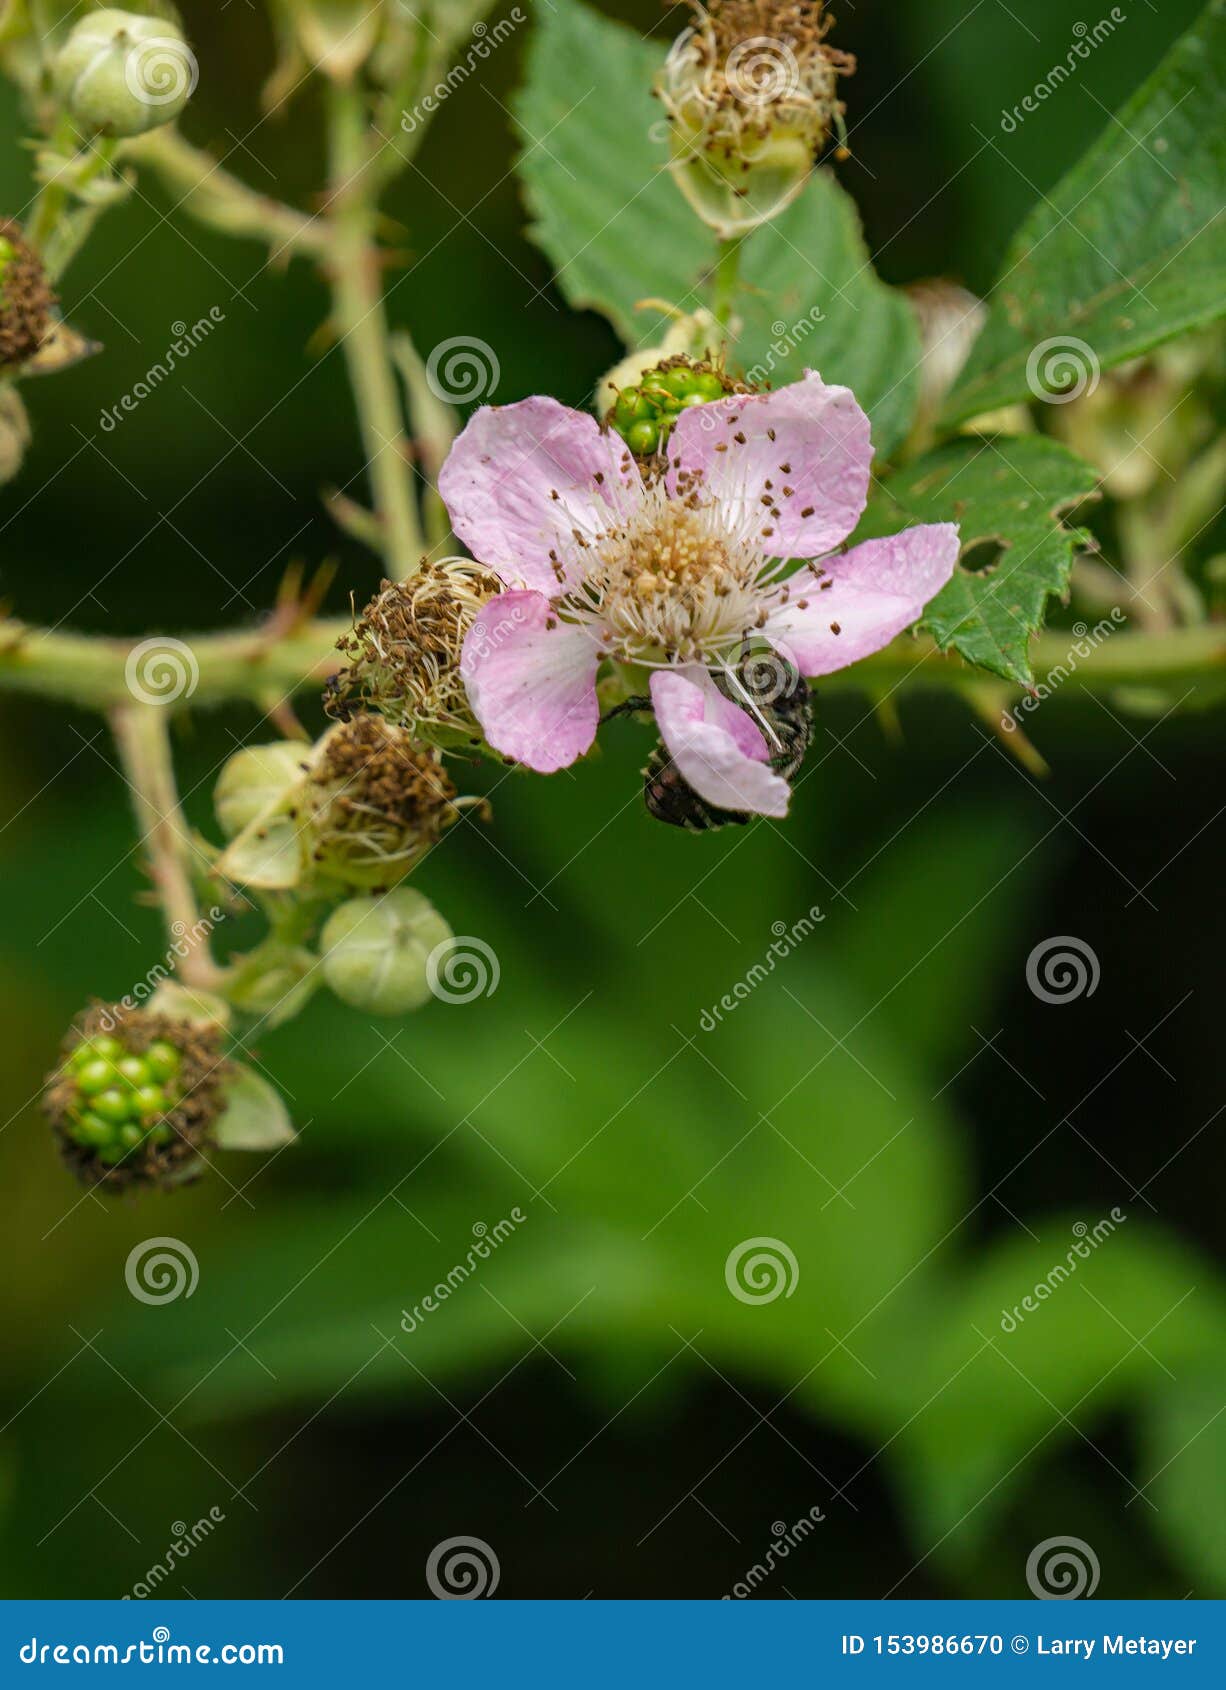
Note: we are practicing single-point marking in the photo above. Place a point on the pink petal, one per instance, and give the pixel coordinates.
(817, 461)
(716, 747)
(531, 681)
(501, 476)
(880, 588)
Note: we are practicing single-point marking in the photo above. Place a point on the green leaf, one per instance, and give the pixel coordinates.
(1010, 493)
(1184, 1457)
(1129, 249)
(608, 215)
(255, 1116)
(1098, 1332)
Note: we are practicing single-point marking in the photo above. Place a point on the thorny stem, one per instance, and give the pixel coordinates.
(90, 672)
(354, 263)
(215, 197)
(142, 733)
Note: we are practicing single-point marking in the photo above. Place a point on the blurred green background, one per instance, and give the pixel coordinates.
(893, 1102)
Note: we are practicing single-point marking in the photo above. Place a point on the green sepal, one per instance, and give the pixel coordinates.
(255, 1116)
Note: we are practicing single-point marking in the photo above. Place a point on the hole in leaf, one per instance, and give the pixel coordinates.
(982, 556)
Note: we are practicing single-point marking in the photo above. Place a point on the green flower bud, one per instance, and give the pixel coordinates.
(121, 74)
(136, 1104)
(254, 779)
(26, 302)
(750, 91)
(376, 951)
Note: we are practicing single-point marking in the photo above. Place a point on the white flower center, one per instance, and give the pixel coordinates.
(668, 580)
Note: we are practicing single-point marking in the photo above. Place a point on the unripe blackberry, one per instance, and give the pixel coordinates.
(136, 1096)
(376, 951)
(644, 413)
(26, 298)
(121, 74)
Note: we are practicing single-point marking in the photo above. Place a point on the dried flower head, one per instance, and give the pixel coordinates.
(404, 651)
(751, 91)
(26, 298)
(377, 801)
(136, 1096)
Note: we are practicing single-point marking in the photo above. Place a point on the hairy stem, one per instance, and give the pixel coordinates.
(257, 664)
(357, 290)
(215, 197)
(254, 664)
(142, 733)
(725, 281)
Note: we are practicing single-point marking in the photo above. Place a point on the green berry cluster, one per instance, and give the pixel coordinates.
(644, 414)
(119, 1100)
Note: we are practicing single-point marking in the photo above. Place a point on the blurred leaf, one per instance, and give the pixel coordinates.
(255, 1116)
(934, 917)
(1184, 1448)
(1008, 494)
(618, 231)
(1002, 1391)
(1129, 248)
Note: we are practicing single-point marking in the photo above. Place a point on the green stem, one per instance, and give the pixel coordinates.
(361, 322)
(77, 669)
(143, 738)
(90, 672)
(725, 281)
(218, 199)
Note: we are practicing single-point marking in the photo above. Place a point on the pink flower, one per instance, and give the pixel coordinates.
(679, 572)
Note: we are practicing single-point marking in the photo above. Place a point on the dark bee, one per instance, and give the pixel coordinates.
(337, 702)
(789, 716)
